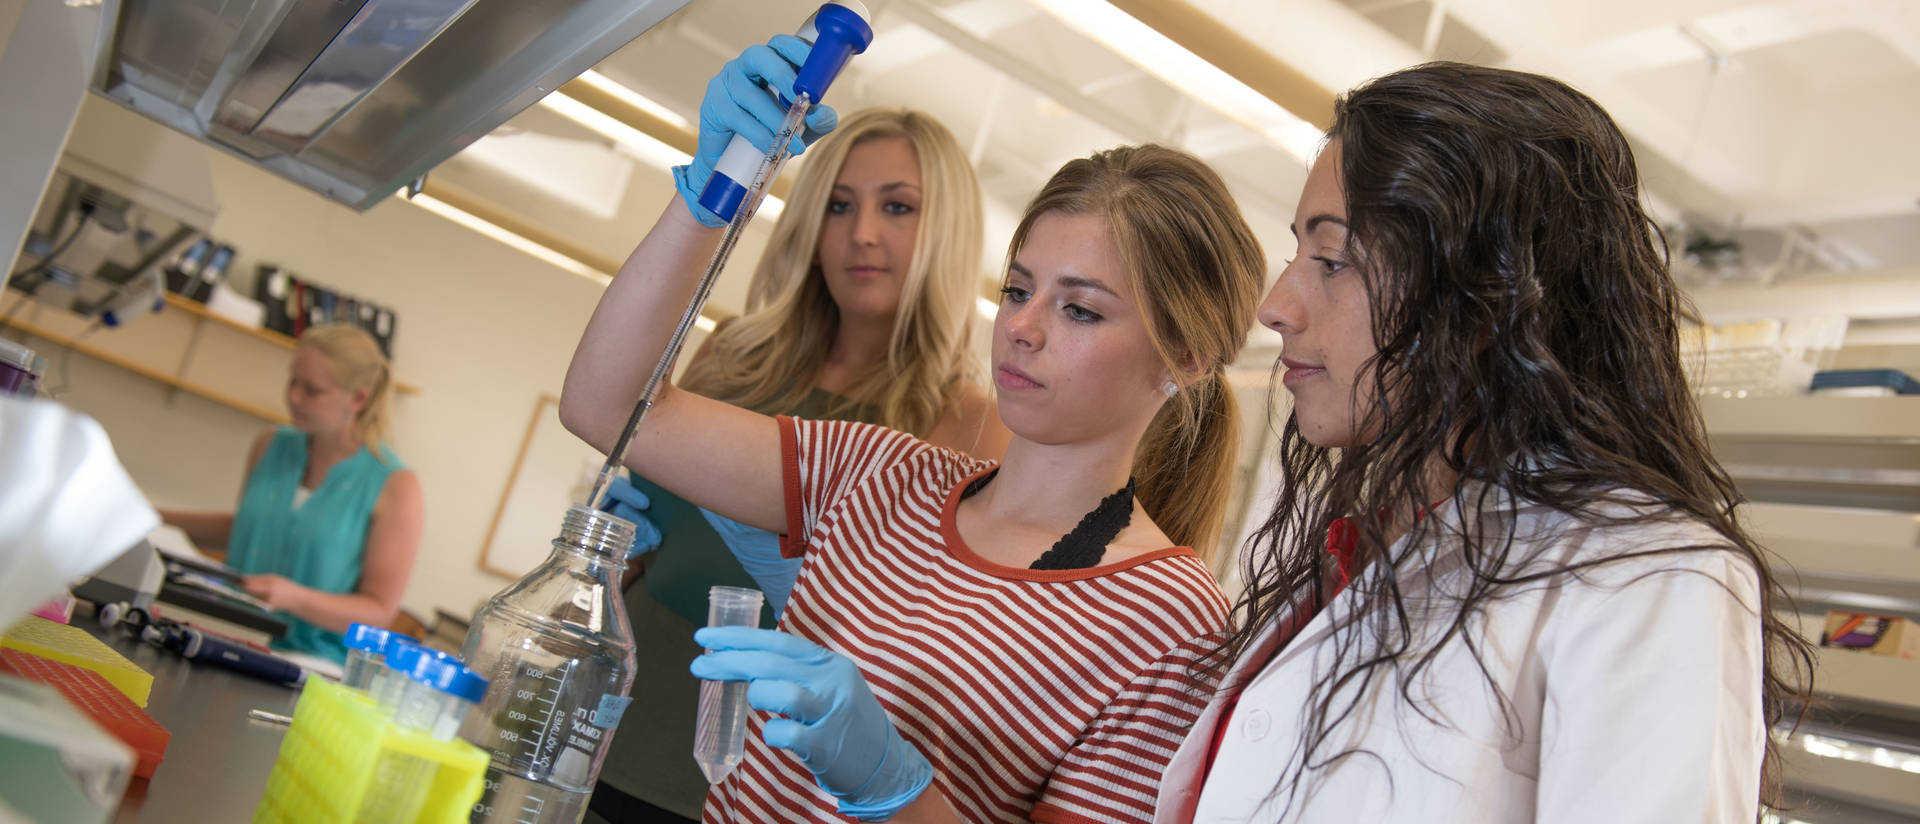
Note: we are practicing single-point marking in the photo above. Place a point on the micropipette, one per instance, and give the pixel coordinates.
(839, 30)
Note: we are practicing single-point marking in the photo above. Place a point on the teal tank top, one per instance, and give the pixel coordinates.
(317, 545)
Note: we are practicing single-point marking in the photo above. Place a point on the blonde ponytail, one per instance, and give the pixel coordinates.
(1184, 467)
(1196, 271)
(357, 364)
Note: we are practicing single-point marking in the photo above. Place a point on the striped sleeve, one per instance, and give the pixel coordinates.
(1112, 774)
(821, 461)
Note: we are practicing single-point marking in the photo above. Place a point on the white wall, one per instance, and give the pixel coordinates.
(484, 330)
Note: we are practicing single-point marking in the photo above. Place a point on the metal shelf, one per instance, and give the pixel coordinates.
(1814, 418)
(1834, 490)
(195, 308)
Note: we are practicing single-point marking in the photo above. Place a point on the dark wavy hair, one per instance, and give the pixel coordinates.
(1528, 335)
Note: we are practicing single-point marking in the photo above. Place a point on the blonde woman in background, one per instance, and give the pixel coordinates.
(859, 310)
(329, 521)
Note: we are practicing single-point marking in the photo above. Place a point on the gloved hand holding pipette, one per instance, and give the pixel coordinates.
(738, 103)
(627, 503)
(833, 723)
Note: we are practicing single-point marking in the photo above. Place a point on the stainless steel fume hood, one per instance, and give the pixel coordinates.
(353, 98)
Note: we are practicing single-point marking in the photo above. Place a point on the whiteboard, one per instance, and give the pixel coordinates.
(553, 471)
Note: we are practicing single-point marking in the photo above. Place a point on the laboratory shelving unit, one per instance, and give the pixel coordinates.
(183, 346)
(1834, 491)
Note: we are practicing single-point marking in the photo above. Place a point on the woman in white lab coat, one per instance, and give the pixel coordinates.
(1504, 580)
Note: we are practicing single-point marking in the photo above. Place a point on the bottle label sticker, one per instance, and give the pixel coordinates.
(611, 708)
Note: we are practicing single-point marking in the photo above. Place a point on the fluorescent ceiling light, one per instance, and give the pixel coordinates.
(630, 97)
(644, 146)
(582, 171)
(495, 231)
(1188, 72)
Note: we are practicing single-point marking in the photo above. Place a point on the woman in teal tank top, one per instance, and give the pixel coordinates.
(859, 310)
(329, 521)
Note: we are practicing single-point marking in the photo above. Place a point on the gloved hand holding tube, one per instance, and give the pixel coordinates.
(833, 723)
(738, 103)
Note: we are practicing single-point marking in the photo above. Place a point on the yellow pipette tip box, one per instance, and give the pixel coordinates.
(73, 645)
(328, 764)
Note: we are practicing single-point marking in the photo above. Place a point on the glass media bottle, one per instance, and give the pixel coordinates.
(557, 653)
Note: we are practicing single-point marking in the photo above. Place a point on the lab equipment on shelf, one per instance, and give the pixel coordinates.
(20, 370)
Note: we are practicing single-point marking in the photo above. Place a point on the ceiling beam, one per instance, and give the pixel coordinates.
(646, 123)
(1022, 71)
(1071, 98)
(1231, 52)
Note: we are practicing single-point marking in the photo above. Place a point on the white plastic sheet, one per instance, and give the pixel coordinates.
(67, 507)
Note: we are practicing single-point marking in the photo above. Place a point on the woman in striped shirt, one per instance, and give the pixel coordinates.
(970, 640)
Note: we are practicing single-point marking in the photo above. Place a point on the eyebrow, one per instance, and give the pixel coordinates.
(1069, 281)
(898, 184)
(1315, 221)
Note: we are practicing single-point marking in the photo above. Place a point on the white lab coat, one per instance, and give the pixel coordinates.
(1634, 697)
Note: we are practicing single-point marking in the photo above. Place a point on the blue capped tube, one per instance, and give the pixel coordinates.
(837, 32)
(436, 696)
(391, 678)
(367, 647)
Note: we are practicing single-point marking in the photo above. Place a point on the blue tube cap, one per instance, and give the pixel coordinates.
(723, 196)
(396, 640)
(842, 33)
(368, 638)
(432, 672)
(446, 676)
(403, 655)
(468, 685)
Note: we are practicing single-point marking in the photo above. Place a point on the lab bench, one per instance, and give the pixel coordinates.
(218, 759)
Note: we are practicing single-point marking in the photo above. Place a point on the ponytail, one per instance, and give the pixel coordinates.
(374, 418)
(1196, 271)
(1183, 471)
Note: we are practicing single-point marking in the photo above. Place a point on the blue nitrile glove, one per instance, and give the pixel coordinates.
(759, 553)
(833, 722)
(623, 501)
(737, 102)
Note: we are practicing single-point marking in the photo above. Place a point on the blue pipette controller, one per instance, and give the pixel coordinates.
(838, 31)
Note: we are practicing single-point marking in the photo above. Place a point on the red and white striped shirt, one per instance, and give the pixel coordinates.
(1043, 695)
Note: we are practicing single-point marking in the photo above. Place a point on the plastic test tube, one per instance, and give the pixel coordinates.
(391, 678)
(434, 697)
(720, 728)
(367, 653)
(437, 695)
